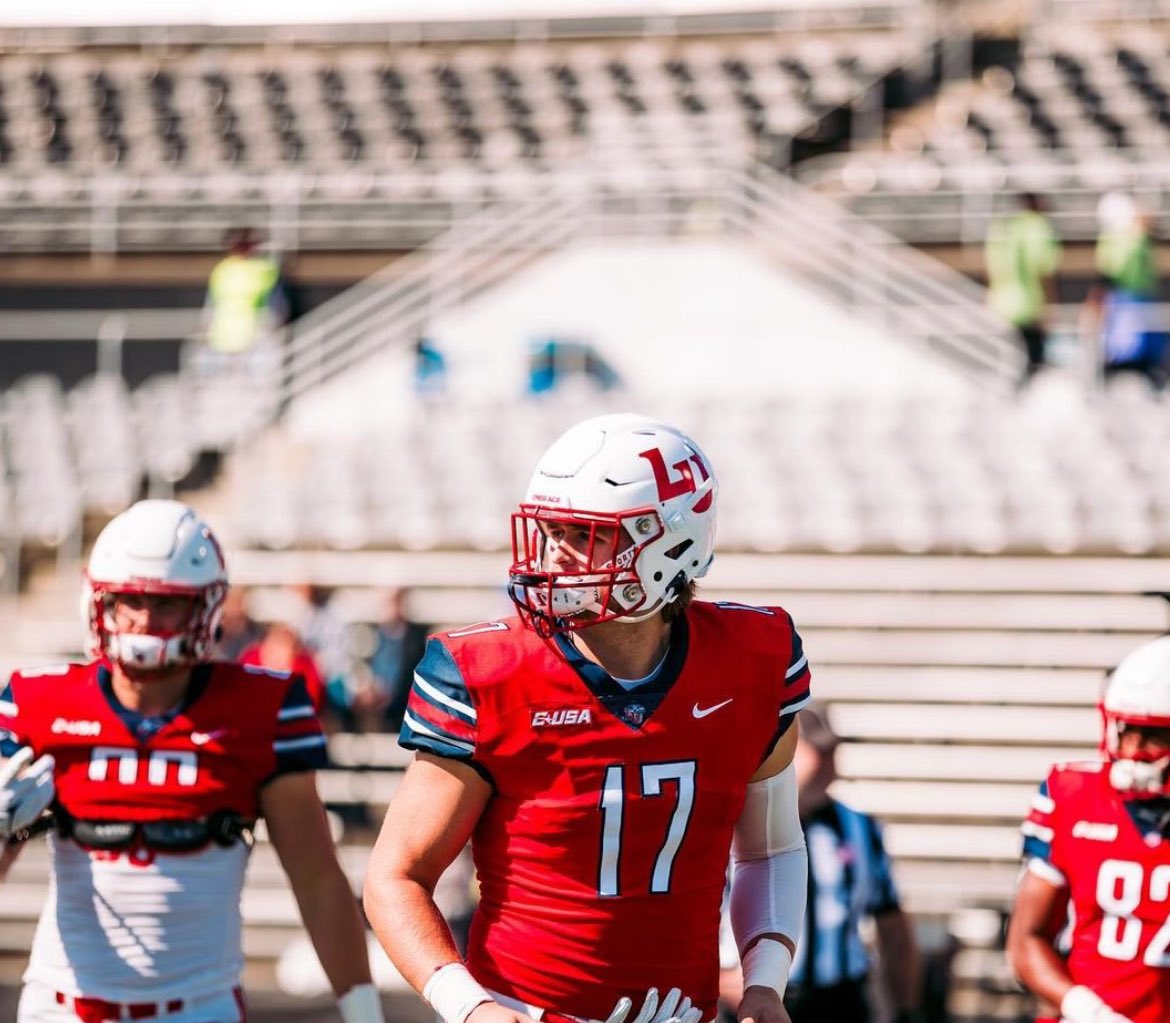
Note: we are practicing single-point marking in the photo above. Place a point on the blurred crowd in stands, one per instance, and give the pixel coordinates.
(358, 675)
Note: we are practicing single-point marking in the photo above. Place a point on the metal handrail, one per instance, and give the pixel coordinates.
(919, 301)
(394, 306)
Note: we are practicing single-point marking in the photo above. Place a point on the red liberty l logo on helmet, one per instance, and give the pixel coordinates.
(683, 484)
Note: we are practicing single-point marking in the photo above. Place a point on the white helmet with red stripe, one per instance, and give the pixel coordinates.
(1138, 695)
(640, 498)
(155, 547)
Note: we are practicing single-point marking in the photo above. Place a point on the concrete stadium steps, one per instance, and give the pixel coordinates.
(987, 763)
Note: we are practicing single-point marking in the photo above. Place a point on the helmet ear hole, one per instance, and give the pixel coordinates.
(677, 586)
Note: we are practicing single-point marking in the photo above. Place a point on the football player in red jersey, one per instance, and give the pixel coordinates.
(1097, 845)
(604, 752)
(162, 760)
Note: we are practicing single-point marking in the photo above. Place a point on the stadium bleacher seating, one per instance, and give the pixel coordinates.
(228, 131)
(1054, 472)
(1083, 111)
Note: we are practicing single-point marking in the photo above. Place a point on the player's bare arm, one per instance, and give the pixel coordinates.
(898, 949)
(429, 821)
(767, 835)
(1037, 918)
(299, 832)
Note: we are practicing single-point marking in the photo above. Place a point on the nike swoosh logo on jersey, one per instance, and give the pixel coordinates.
(203, 738)
(704, 711)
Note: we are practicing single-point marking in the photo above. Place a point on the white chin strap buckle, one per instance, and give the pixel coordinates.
(1143, 777)
(566, 602)
(144, 651)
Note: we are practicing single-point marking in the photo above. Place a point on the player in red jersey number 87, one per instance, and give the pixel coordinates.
(604, 752)
(1097, 846)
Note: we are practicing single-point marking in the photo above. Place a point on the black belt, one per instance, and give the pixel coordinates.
(223, 828)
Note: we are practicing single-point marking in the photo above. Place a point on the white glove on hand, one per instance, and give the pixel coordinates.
(1081, 1005)
(26, 790)
(673, 1009)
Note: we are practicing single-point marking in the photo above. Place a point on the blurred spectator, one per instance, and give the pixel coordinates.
(1023, 253)
(281, 649)
(238, 630)
(241, 291)
(849, 878)
(398, 644)
(430, 367)
(1122, 310)
(325, 634)
(1125, 252)
(554, 361)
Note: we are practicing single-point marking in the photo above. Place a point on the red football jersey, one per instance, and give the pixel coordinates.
(1119, 885)
(236, 728)
(603, 851)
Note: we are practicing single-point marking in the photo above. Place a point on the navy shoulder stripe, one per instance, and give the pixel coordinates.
(440, 715)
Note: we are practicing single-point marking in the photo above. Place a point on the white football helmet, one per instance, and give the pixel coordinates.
(639, 497)
(160, 547)
(1138, 694)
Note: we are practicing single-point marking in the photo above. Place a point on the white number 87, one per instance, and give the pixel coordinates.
(1119, 892)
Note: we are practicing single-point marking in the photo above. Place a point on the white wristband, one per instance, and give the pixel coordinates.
(767, 964)
(1080, 1005)
(360, 1004)
(453, 992)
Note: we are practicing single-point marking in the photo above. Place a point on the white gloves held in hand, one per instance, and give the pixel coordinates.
(1081, 1005)
(673, 1009)
(26, 790)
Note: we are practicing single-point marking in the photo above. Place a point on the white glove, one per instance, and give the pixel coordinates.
(1081, 1005)
(674, 1009)
(26, 790)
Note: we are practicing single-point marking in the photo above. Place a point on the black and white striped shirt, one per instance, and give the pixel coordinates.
(849, 878)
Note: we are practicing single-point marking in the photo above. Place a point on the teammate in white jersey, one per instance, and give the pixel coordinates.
(157, 762)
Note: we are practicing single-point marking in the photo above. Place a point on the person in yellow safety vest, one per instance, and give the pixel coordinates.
(239, 292)
(1023, 253)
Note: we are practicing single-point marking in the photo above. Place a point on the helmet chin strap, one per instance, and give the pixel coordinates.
(136, 650)
(1140, 777)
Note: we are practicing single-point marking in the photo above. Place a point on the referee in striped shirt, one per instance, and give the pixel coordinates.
(849, 879)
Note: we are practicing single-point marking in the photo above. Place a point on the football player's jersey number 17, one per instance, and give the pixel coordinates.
(1119, 893)
(613, 811)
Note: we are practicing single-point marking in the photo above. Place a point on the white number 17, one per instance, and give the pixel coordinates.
(612, 806)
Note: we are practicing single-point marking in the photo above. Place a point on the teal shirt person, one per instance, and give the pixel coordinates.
(1022, 252)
